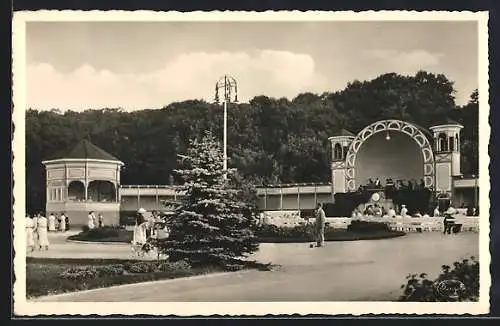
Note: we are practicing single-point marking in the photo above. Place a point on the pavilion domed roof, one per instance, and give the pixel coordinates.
(85, 150)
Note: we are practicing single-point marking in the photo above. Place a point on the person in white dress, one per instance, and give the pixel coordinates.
(404, 210)
(90, 222)
(94, 218)
(62, 223)
(42, 231)
(437, 213)
(141, 223)
(52, 223)
(392, 212)
(30, 234)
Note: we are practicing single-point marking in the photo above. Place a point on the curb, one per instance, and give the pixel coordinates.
(157, 282)
(97, 242)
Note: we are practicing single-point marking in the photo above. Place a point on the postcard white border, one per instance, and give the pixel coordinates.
(23, 307)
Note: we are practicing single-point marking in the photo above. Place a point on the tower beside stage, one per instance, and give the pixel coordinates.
(446, 156)
(339, 147)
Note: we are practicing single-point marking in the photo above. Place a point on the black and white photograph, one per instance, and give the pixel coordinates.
(251, 163)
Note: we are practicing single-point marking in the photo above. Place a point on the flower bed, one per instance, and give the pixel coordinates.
(52, 276)
(305, 233)
(111, 233)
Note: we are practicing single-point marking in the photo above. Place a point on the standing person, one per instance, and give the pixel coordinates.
(437, 213)
(66, 218)
(62, 222)
(100, 220)
(52, 222)
(139, 236)
(320, 225)
(30, 233)
(404, 210)
(449, 219)
(90, 222)
(42, 230)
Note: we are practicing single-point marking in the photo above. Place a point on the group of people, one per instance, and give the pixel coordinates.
(38, 226)
(95, 221)
(398, 184)
(148, 226)
(58, 222)
(376, 210)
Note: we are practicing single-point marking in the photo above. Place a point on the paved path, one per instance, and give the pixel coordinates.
(60, 247)
(341, 271)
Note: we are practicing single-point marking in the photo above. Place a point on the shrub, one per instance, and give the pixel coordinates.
(110, 270)
(155, 266)
(172, 266)
(460, 283)
(86, 273)
(366, 226)
(297, 232)
(80, 274)
(111, 231)
(141, 267)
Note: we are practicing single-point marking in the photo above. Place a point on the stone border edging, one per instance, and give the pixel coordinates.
(187, 278)
(98, 242)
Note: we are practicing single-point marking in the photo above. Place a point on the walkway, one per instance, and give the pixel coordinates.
(341, 271)
(61, 248)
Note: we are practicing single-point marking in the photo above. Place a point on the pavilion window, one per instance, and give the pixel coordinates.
(452, 143)
(337, 152)
(442, 143)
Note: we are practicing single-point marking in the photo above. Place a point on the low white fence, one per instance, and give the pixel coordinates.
(406, 224)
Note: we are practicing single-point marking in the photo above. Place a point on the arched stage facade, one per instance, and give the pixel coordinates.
(413, 131)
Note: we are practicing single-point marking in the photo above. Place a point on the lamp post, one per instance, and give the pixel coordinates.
(230, 87)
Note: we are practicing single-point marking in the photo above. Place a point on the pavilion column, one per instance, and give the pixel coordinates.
(281, 199)
(157, 205)
(265, 199)
(298, 199)
(86, 183)
(315, 196)
(138, 198)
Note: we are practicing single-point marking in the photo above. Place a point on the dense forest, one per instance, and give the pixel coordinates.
(270, 140)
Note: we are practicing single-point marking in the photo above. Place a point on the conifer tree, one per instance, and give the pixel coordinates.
(212, 224)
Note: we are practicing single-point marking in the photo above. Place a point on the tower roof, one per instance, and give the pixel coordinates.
(343, 132)
(446, 121)
(85, 150)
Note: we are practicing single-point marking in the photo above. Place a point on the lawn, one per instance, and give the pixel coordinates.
(54, 276)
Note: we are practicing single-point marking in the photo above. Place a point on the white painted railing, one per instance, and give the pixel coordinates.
(406, 224)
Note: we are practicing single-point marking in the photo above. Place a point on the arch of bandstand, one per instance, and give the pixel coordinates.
(92, 184)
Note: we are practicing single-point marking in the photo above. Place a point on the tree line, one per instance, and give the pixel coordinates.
(270, 140)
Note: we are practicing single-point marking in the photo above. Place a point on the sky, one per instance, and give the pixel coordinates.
(144, 65)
